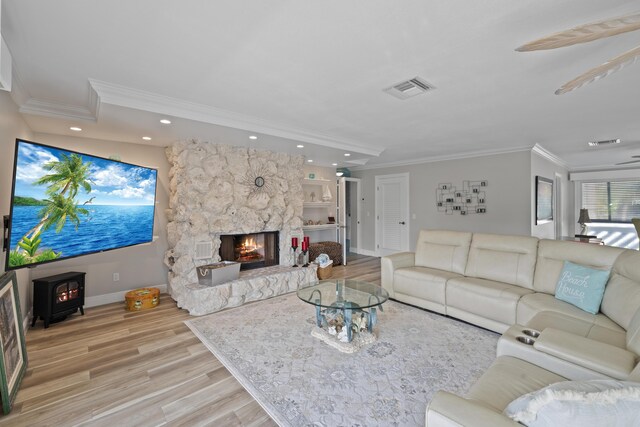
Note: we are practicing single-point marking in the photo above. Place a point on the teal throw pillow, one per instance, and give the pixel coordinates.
(582, 286)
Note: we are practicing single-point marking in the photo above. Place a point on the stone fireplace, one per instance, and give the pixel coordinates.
(252, 250)
(220, 190)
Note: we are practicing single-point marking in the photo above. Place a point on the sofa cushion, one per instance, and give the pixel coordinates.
(486, 298)
(507, 379)
(633, 333)
(581, 327)
(553, 253)
(508, 259)
(443, 250)
(622, 294)
(582, 286)
(422, 282)
(583, 403)
(532, 304)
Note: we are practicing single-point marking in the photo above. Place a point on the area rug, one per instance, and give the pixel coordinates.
(301, 381)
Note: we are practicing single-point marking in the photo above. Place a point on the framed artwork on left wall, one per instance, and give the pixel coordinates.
(544, 200)
(13, 349)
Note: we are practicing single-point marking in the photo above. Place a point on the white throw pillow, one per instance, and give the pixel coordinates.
(579, 403)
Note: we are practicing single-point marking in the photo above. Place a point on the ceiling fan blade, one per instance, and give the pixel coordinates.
(626, 163)
(585, 33)
(602, 71)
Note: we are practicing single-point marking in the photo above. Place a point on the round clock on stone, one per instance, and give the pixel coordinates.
(259, 181)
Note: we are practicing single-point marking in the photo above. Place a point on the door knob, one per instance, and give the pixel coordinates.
(401, 222)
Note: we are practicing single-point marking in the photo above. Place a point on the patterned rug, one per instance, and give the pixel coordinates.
(301, 381)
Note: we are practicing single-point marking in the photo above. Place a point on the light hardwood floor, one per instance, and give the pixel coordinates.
(115, 368)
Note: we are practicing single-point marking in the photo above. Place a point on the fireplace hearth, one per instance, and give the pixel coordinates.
(253, 250)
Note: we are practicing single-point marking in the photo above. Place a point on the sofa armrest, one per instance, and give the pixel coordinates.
(390, 263)
(447, 409)
(607, 359)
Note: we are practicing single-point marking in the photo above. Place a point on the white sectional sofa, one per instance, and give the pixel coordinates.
(507, 284)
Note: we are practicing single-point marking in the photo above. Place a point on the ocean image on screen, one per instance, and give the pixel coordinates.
(67, 204)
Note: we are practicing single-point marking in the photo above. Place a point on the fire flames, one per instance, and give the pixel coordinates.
(249, 250)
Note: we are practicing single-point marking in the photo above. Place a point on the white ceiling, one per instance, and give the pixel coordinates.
(313, 71)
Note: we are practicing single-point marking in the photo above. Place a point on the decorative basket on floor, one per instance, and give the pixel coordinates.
(325, 272)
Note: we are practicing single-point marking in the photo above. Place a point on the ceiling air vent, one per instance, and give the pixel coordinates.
(409, 88)
(601, 143)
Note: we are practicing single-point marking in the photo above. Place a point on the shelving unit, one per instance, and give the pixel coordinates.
(319, 210)
(319, 227)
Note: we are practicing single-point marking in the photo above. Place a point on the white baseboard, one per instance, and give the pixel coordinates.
(363, 251)
(113, 297)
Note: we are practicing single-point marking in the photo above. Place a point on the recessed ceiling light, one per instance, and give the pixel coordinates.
(347, 154)
(334, 164)
(75, 128)
(300, 146)
(146, 138)
(165, 121)
(253, 137)
(309, 161)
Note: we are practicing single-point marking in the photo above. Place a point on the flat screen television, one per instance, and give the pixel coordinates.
(66, 204)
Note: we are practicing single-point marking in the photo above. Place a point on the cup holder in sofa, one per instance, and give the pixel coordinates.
(531, 333)
(525, 340)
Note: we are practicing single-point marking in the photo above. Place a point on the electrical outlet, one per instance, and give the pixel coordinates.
(116, 277)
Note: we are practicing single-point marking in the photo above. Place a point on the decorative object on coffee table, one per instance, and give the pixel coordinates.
(341, 306)
(142, 299)
(13, 350)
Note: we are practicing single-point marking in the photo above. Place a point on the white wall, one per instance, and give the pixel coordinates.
(138, 265)
(508, 195)
(12, 126)
(541, 166)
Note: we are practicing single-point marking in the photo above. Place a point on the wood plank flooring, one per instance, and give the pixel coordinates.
(114, 368)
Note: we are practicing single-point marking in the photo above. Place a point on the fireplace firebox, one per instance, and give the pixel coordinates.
(253, 250)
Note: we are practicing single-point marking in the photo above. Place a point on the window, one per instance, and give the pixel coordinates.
(612, 201)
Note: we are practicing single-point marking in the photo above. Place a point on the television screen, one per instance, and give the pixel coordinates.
(65, 204)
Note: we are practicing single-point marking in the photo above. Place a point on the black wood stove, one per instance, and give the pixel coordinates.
(55, 297)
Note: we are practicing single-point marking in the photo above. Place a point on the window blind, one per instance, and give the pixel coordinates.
(613, 201)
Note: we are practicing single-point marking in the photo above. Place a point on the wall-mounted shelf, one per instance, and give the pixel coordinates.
(318, 181)
(318, 204)
(319, 227)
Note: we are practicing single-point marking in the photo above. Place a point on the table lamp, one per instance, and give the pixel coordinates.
(583, 220)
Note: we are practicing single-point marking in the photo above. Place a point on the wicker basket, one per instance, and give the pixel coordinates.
(325, 272)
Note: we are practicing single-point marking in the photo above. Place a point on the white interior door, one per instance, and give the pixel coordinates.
(349, 190)
(392, 214)
(341, 216)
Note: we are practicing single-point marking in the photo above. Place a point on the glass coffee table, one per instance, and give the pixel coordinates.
(347, 297)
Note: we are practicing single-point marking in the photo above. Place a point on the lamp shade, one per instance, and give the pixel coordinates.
(584, 216)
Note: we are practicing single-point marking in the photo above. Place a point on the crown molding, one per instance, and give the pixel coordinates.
(114, 94)
(433, 159)
(56, 110)
(19, 93)
(543, 152)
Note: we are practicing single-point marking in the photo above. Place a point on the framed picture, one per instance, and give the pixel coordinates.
(544, 200)
(13, 350)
